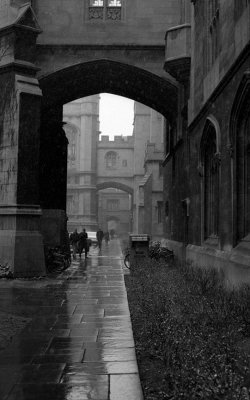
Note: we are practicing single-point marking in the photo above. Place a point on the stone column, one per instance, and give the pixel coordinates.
(53, 177)
(21, 245)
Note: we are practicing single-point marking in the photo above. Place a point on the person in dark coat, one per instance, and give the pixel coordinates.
(74, 237)
(106, 237)
(99, 237)
(83, 243)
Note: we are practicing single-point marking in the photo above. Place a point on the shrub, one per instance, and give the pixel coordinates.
(187, 327)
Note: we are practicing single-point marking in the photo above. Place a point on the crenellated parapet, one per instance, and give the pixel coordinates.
(120, 141)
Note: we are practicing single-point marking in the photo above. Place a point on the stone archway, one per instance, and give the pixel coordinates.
(82, 80)
(93, 77)
(50, 147)
(125, 188)
(115, 185)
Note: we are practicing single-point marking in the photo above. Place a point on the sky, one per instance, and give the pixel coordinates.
(116, 115)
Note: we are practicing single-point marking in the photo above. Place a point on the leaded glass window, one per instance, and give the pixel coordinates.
(105, 10)
(111, 159)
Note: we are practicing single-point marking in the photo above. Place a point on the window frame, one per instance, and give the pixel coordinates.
(160, 211)
(210, 181)
(113, 205)
(212, 35)
(113, 164)
(104, 10)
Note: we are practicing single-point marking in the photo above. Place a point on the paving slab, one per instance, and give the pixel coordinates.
(78, 342)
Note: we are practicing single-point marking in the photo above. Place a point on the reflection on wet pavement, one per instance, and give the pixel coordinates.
(79, 344)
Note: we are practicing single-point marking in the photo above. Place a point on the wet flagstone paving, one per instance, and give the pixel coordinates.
(79, 344)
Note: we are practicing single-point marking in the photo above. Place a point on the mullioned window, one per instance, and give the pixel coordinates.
(107, 10)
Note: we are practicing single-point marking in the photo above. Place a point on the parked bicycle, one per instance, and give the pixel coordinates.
(56, 260)
(159, 252)
(126, 259)
(156, 251)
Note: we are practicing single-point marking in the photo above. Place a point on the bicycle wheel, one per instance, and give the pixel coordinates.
(126, 261)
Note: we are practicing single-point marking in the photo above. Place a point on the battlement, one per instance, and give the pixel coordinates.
(117, 139)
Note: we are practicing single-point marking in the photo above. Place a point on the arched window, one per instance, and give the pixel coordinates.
(243, 176)
(210, 159)
(111, 159)
(240, 144)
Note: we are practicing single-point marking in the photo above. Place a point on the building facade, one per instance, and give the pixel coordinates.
(206, 168)
(82, 131)
(105, 176)
(55, 52)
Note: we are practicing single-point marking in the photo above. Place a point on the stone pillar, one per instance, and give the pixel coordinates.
(53, 177)
(21, 244)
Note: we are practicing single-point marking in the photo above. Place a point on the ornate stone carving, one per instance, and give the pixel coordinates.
(230, 150)
(114, 13)
(216, 161)
(96, 13)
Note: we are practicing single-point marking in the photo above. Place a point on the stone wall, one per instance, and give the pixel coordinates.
(143, 22)
(233, 36)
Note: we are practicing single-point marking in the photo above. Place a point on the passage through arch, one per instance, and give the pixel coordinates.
(85, 79)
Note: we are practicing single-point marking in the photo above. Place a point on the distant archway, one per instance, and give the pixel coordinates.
(124, 221)
(115, 185)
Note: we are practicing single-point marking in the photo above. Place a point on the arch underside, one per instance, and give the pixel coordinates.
(115, 185)
(101, 76)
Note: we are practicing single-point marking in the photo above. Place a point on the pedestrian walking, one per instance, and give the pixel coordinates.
(99, 237)
(83, 243)
(106, 237)
(74, 237)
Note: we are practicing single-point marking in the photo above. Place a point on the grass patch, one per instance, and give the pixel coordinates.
(191, 334)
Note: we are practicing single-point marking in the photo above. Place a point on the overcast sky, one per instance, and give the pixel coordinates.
(116, 115)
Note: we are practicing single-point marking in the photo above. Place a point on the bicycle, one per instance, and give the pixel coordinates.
(158, 252)
(126, 259)
(56, 260)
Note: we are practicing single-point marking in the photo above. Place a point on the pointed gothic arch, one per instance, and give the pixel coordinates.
(98, 76)
(210, 186)
(115, 185)
(239, 144)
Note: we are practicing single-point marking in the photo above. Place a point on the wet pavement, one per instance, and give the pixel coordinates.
(79, 343)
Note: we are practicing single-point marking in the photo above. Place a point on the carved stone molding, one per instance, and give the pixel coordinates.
(216, 161)
(230, 150)
(200, 170)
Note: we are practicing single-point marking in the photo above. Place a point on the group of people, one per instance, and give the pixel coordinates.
(80, 241)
